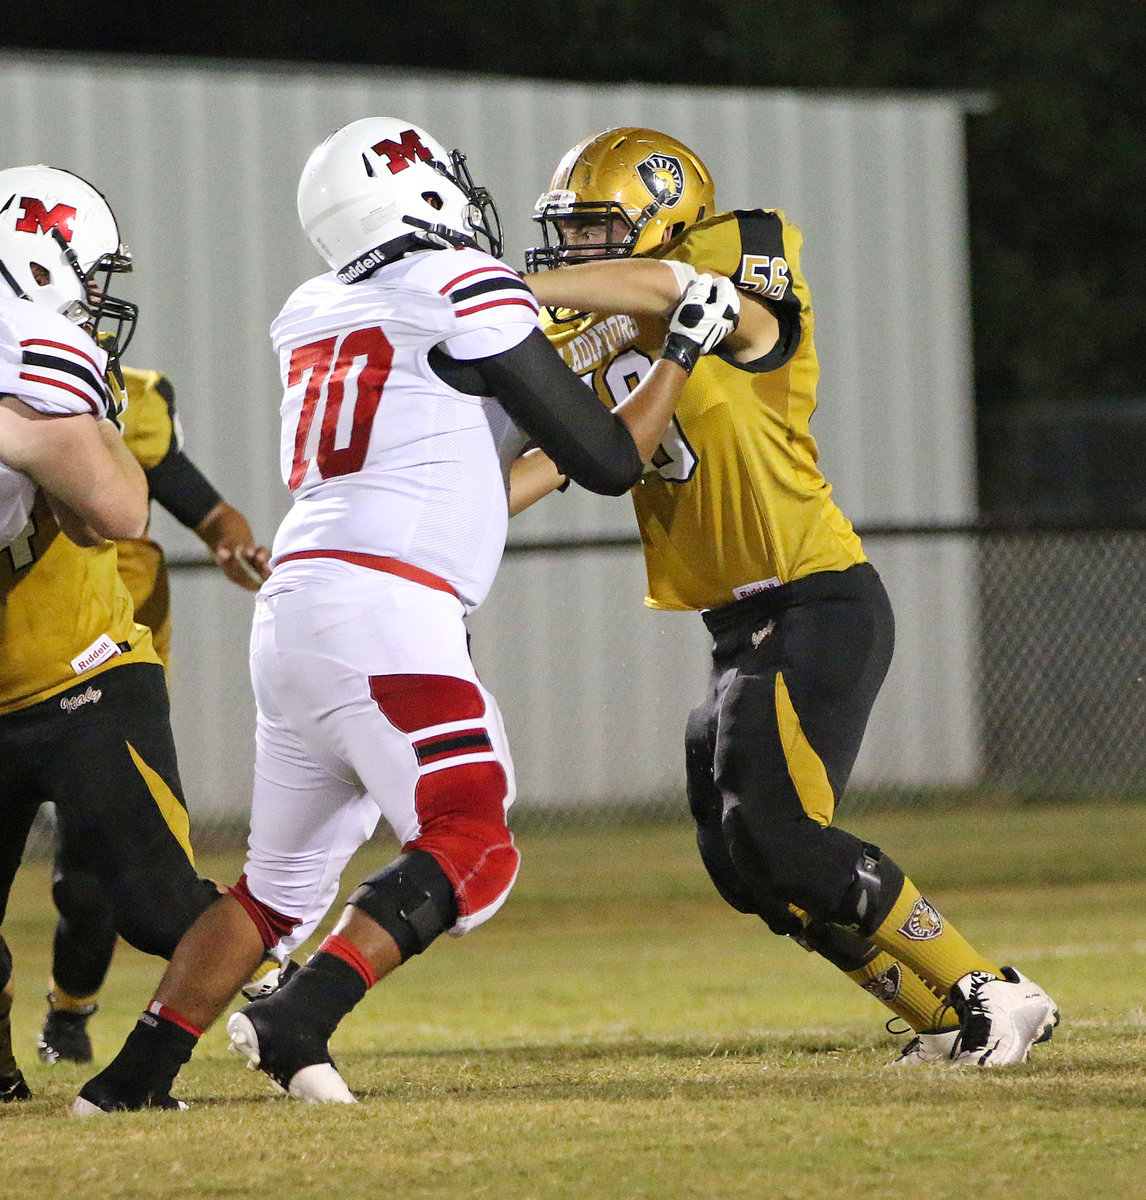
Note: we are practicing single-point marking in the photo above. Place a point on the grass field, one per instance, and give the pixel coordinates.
(616, 1032)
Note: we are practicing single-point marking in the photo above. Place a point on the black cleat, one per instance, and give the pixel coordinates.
(13, 1087)
(98, 1096)
(296, 1059)
(65, 1036)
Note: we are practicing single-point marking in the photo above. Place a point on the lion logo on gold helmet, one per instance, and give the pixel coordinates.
(663, 175)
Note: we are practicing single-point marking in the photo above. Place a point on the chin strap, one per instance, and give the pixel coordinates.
(9, 279)
(440, 237)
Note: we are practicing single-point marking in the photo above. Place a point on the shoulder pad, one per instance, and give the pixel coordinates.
(49, 363)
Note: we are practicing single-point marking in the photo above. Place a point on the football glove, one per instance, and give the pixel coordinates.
(707, 313)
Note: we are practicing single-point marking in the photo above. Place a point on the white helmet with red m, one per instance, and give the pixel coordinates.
(380, 188)
(57, 235)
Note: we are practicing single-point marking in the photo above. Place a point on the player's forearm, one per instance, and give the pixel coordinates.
(637, 286)
(118, 506)
(648, 409)
(224, 525)
(113, 508)
(227, 534)
(72, 524)
(532, 476)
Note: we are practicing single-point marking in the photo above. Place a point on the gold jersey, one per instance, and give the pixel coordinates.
(150, 425)
(734, 502)
(150, 430)
(65, 614)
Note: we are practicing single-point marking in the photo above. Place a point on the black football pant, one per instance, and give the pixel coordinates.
(795, 672)
(103, 753)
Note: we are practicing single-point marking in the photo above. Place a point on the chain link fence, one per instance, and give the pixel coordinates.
(1062, 666)
(1058, 682)
(1059, 674)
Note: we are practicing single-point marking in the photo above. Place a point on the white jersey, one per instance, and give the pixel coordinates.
(54, 367)
(381, 456)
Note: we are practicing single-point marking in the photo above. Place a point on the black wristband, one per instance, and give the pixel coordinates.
(183, 490)
(682, 351)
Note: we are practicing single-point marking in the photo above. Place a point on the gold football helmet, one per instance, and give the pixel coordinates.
(635, 187)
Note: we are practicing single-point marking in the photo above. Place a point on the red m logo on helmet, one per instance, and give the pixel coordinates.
(402, 154)
(37, 219)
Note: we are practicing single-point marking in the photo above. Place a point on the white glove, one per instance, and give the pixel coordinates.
(707, 313)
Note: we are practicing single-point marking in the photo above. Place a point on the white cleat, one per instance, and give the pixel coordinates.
(1001, 1019)
(928, 1048)
(320, 1084)
(317, 1083)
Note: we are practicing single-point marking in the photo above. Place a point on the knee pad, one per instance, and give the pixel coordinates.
(841, 947)
(412, 899)
(706, 803)
(722, 871)
(736, 892)
(5, 964)
(795, 861)
(82, 902)
(152, 911)
(84, 941)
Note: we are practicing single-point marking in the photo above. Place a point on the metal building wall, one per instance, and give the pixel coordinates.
(200, 163)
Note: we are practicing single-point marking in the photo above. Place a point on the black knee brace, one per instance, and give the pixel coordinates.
(412, 899)
(873, 892)
(841, 947)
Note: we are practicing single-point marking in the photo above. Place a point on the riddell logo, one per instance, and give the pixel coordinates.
(401, 154)
(71, 703)
(370, 261)
(99, 651)
(37, 218)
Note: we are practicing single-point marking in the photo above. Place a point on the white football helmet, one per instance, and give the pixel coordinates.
(380, 188)
(57, 235)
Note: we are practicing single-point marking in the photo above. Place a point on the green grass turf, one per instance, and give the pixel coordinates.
(616, 1032)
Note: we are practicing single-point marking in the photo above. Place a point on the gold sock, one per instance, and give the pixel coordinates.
(61, 1001)
(917, 934)
(264, 968)
(896, 986)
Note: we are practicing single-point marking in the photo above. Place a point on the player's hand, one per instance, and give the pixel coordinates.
(707, 313)
(227, 534)
(245, 565)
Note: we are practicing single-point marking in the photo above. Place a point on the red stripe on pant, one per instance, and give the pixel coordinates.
(413, 702)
